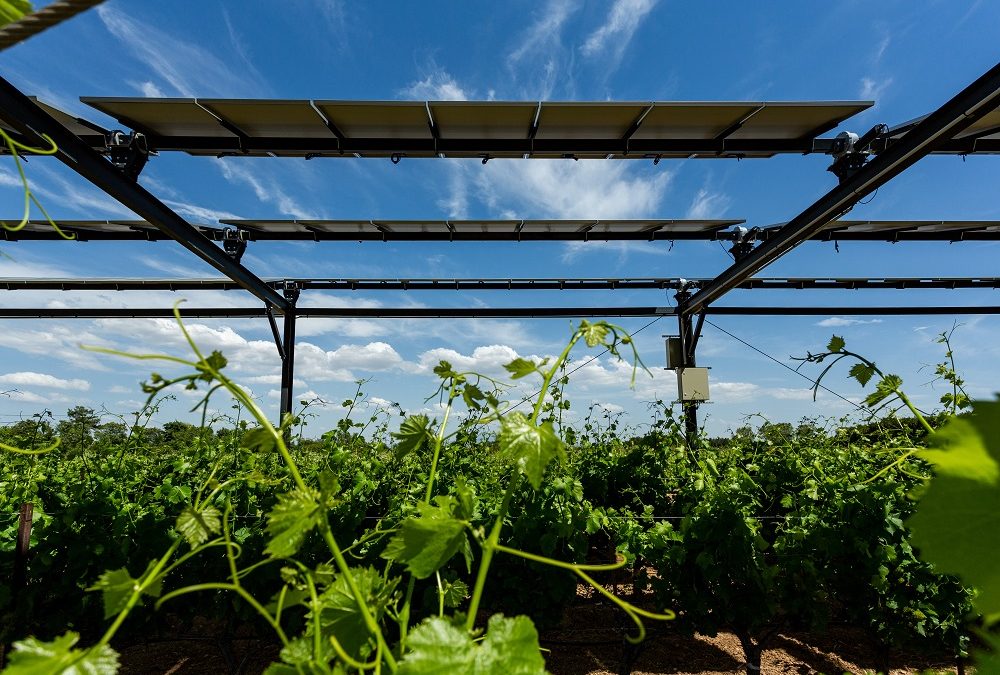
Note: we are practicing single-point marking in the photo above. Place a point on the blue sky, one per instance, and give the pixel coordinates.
(907, 56)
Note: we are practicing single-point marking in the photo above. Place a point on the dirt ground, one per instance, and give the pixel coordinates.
(588, 641)
(576, 651)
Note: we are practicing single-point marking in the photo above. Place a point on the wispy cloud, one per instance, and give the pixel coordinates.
(436, 85)
(539, 62)
(613, 37)
(183, 68)
(707, 204)
(839, 321)
(31, 379)
(266, 188)
(569, 189)
(873, 89)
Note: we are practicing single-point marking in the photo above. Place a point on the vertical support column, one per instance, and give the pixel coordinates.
(291, 292)
(689, 339)
(21, 547)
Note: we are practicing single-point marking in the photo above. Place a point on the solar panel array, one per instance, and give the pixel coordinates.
(554, 284)
(903, 230)
(505, 230)
(486, 129)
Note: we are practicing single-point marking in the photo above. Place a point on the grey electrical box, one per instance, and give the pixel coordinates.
(692, 384)
(675, 355)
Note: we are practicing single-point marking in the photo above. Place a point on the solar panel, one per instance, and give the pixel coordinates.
(95, 230)
(485, 129)
(481, 230)
(904, 230)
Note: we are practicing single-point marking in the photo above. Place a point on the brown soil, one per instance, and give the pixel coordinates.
(589, 641)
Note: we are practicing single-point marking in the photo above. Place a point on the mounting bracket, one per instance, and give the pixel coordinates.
(129, 152)
(234, 243)
(851, 152)
(743, 242)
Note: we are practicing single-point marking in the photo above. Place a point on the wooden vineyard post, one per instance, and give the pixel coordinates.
(21, 547)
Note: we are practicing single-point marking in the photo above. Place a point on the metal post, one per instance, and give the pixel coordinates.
(21, 547)
(291, 292)
(688, 338)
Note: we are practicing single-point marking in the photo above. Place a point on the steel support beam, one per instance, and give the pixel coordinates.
(288, 353)
(976, 100)
(487, 312)
(32, 121)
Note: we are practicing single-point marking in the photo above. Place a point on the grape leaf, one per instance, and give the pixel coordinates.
(533, 447)
(519, 368)
(862, 372)
(34, 657)
(197, 526)
(594, 333)
(339, 612)
(292, 518)
(425, 543)
(885, 388)
(117, 586)
(412, 433)
(455, 593)
(509, 648)
(957, 522)
(836, 344)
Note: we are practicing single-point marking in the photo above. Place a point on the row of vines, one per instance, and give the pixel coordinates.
(388, 546)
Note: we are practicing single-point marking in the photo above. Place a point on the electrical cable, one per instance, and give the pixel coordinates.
(788, 367)
(585, 363)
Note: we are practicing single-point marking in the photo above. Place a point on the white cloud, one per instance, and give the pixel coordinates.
(707, 205)
(266, 188)
(838, 322)
(199, 214)
(728, 392)
(616, 33)
(32, 397)
(186, 69)
(150, 90)
(872, 89)
(539, 60)
(438, 85)
(569, 189)
(456, 203)
(31, 379)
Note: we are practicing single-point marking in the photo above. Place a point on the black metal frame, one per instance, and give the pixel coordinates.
(491, 312)
(894, 150)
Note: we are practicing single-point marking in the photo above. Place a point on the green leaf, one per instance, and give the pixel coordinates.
(836, 344)
(957, 521)
(438, 648)
(444, 370)
(425, 543)
(455, 593)
(886, 388)
(472, 394)
(117, 586)
(413, 432)
(292, 518)
(197, 526)
(259, 439)
(34, 657)
(532, 447)
(341, 616)
(862, 372)
(511, 646)
(519, 368)
(594, 333)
